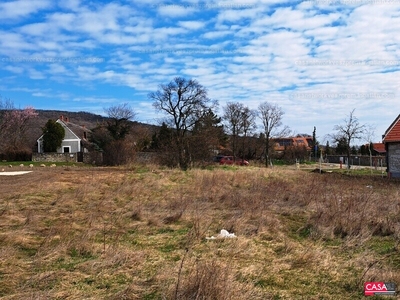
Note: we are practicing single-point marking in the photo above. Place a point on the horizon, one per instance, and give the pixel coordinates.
(316, 59)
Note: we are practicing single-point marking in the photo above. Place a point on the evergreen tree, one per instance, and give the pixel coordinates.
(162, 139)
(363, 150)
(341, 147)
(315, 144)
(208, 134)
(53, 135)
(327, 148)
(354, 150)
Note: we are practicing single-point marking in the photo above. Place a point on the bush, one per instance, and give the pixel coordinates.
(20, 155)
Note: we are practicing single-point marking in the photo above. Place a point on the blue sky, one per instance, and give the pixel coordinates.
(316, 59)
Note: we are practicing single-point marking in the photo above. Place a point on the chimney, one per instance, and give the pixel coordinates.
(62, 118)
(66, 119)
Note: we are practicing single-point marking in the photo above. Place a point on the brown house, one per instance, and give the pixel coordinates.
(378, 148)
(391, 139)
(282, 143)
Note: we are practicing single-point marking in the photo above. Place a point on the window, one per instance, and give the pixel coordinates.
(66, 149)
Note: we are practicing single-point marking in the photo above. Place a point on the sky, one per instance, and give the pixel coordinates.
(317, 59)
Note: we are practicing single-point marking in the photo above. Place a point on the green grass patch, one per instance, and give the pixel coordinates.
(266, 282)
(28, 251)
(167, 248)
(297, 226)
(80, 253)
(383, 245)
(151, 296)
(165, 230)
(360, 172)
(68, 265)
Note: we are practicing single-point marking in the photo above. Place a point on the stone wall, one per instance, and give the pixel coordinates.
(147, 157)
(95, 158)
(55, 157)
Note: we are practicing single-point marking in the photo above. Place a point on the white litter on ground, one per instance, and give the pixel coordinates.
(14, 173)
(223, 234)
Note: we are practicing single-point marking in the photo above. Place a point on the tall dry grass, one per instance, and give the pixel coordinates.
(139, 232)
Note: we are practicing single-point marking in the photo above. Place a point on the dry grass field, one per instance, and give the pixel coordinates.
(139, 232)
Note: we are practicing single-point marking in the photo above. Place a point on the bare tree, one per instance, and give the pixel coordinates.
(271, 117)
(369, 134)
(185, 102)
(14, 124)
(6, 105)
(248, 123)
(113, 136)
(233, 118)
(119, 117)
(350, 130)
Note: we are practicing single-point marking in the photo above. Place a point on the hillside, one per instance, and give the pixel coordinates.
(81, 118)
(89, 120)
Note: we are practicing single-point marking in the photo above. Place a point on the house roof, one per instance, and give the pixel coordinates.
(392, 134)
(74, 132)
(77, 130)
(379, 147)
(281, 143)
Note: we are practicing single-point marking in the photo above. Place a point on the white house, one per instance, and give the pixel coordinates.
(74, 140)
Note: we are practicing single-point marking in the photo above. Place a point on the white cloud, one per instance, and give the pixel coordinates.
(73, 5)
(12, 69)
(57, 69)
(36, 75)
(235, 15)
(175, 10)
(217, 34)
(22, 8)
(191, 25)
(249, 54)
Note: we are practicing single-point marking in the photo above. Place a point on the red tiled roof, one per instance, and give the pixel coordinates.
(281, 143)
(392, 134)
(379, 147)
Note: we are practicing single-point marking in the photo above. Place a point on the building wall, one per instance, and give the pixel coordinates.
(393, 157)
(74, 146)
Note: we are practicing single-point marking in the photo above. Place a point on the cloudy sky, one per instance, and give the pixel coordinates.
(318, 59)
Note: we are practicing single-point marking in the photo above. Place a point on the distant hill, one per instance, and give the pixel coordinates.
(89, 120)
(80, 118)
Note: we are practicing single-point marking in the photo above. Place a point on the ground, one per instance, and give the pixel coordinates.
(140, 232)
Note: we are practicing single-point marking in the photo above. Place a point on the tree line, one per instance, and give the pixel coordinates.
(190, 132)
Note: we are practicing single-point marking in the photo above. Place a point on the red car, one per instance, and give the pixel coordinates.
(229, 160)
